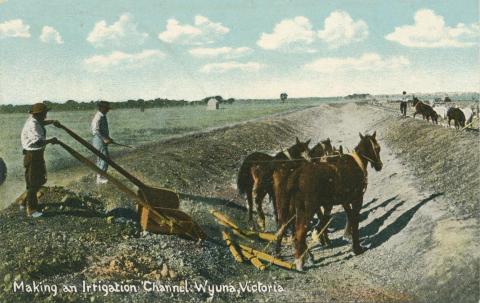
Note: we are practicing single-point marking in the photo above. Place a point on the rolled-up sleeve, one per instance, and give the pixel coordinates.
(33, 135)
(96, 131)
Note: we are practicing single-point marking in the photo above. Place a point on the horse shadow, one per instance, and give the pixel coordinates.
(374, 226)
(339, 221)
(382, 236)
(364, 215)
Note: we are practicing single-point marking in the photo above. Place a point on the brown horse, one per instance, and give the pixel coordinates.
(425, 110)
(255, 177)
(280, 177)
(321, 149)
(457, 116)
(315, 185)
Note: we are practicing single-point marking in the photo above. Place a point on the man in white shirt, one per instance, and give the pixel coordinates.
(34, 140)
(101, 137)
(403, 104)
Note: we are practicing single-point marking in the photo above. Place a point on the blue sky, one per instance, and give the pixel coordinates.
(117, 50)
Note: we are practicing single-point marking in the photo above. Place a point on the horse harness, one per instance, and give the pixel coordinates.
(360, 164)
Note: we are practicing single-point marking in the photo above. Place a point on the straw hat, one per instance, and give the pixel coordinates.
(38, 108)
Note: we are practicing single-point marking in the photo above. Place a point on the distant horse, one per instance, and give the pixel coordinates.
(322, 184)
(441, 111)
(255, 177)
(468, 112)
(425, 110)
(457, 116)
(3, 171)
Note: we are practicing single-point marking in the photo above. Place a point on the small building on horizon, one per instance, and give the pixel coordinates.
(212, 104)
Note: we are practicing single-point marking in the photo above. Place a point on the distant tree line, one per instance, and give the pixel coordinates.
(72, 105)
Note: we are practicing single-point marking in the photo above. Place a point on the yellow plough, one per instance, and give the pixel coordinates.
(241, 252)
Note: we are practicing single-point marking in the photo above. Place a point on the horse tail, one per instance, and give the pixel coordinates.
(244, 179)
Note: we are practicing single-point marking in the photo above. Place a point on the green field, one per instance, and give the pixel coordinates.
(129, 126)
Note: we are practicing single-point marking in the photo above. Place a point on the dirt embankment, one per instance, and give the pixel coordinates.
(419, 251)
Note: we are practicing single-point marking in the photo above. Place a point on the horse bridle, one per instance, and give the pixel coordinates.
(374, 151)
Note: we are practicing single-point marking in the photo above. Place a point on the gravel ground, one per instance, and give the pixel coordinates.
(419, 218)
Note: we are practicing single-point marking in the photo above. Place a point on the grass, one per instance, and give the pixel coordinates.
(128, 126)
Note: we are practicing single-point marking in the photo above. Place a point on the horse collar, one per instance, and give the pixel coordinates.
(359, 161)
(287, 154)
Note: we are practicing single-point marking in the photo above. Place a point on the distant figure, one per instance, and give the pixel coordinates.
(283, 97)
(3, 171)
(34, 140)
(403, 104)
(101, 137)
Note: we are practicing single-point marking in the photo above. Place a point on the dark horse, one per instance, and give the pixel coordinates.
(280, 177)
(324, 184)
(457, 116)
(255, 177)
(425, 110)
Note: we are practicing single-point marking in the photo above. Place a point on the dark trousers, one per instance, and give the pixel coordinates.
(35, 176)
(403, 108)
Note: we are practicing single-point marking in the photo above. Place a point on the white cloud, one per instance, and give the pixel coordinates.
(119, 59)
(293, 35)
(122, 32)
(340, 29)
(224, 67)
(226, 52)
(203, 32)
(50, 35)
(366, 62)
(14, 28)
(430, 31)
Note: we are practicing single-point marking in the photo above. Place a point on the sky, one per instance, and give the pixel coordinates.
(117, 50)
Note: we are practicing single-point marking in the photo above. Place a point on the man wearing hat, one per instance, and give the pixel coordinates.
(403, 104)
(101, 136)
(34, 140)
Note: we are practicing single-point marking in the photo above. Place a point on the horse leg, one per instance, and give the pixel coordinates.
(324, 218)
(271, 198)
(260, 195)
(250, 207)
(324, 236)
(347, 234)
(356, 207)
(283, 228)
(300, 238)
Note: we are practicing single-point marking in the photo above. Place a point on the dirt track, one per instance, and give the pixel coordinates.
(418, 216)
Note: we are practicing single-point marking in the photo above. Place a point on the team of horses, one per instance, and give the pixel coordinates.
(303, 182)
(460, 116)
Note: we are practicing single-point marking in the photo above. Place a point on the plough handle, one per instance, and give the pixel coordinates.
(82, 141)
(119, 184)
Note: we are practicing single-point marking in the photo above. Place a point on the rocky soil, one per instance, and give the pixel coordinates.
(419, 219)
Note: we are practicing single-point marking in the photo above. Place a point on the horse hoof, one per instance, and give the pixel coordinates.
(299, 264)
(358, 250)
